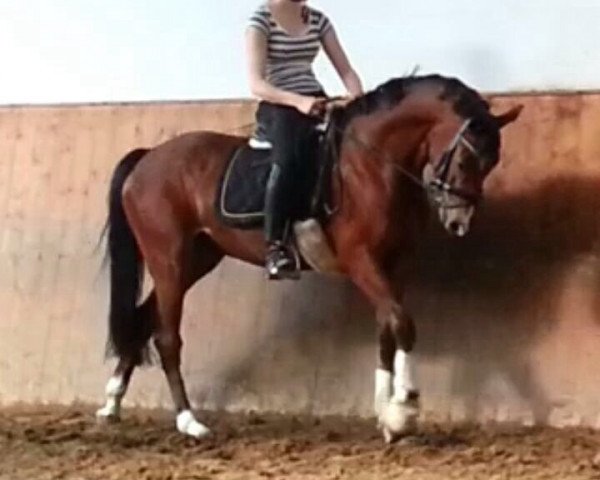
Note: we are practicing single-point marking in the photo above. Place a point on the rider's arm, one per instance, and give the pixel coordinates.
(256, 54)
(339, 59)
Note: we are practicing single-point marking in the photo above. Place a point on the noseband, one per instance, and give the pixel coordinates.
(439, 189)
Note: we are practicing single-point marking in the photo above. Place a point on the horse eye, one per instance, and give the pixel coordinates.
(476, 128)
(469, 164)
(485, 164)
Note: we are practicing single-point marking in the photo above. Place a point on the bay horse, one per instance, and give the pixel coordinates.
(412, 145)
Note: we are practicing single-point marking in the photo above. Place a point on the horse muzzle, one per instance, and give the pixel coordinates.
(457, 221)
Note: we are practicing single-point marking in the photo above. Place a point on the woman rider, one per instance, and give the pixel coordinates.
(282, 40)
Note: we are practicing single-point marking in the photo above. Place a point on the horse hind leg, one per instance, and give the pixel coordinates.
(117, 385)
(116, 388)
(201, 258)
(168, 343)
(172, 280)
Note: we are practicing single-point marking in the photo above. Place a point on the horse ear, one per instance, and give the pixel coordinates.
(509, 116)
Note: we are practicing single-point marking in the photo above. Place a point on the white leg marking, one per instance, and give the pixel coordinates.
(188, 425)
(404, 376)
(399, 415)
(383, 389)
(115, 389)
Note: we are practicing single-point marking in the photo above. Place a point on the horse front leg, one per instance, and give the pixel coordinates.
(396, 395)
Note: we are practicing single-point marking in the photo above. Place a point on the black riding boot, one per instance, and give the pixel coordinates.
(279, 262)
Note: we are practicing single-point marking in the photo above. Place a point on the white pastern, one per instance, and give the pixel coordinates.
(115, 389)
(398, 414)
(188, 425)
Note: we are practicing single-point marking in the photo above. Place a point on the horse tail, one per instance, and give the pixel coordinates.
(129, 331)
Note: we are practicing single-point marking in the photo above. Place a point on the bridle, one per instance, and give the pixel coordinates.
(438, 189)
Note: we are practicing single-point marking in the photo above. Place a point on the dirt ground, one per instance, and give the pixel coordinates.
(58, 443)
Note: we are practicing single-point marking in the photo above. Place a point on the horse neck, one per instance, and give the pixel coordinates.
(389, 150)
(398, 135)
(430, 117)
(376, 149)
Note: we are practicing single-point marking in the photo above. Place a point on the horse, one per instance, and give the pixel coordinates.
(411, 147)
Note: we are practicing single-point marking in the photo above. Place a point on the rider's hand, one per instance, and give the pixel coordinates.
(313, 106)
(339, 102)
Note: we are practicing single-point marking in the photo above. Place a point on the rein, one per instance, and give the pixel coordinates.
(439, 186)
(437, 189)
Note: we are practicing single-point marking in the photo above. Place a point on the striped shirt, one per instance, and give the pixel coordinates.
(290, 57)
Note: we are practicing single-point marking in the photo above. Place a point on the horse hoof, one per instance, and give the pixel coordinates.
(188, 425)
(388, 436)
(106, 416)
(398, 420)
(403, 439)
(198, 431)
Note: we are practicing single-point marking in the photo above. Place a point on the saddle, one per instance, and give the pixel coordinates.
(240, 198)
(241, 194)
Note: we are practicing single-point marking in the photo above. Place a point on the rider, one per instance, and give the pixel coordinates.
(282, 40)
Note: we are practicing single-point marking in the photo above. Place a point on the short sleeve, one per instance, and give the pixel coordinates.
(260, 20)
(323, 25)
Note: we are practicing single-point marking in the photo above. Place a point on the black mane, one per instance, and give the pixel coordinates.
(465, 101)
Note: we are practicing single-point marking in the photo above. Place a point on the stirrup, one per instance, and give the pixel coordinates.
(282, 262)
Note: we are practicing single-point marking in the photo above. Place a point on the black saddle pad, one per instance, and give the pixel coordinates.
(241, 197)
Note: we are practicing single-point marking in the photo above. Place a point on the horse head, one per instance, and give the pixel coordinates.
(460, 154)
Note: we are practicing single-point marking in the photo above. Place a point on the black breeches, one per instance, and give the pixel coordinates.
(293, 137)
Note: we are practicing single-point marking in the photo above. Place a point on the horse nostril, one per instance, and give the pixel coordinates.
(457, 228)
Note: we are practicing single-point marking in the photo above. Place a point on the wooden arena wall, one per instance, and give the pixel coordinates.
(508, 318)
